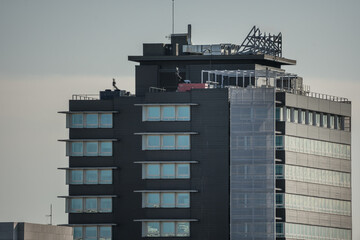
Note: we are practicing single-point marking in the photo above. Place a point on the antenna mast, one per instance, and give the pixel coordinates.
(50, 215)
(173, 16)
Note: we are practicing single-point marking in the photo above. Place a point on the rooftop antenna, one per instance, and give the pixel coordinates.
(114, 84)
(173, 16)
(50, 215)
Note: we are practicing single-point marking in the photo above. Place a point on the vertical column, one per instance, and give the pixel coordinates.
(252, 163)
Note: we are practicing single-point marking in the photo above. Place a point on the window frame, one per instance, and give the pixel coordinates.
(83, 173)
(84, 208)
(145, 171)
(146, 146)
(145, 232)
(177, 113)
(84, 122)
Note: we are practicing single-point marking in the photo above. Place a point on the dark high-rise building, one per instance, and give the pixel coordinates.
(218, 142)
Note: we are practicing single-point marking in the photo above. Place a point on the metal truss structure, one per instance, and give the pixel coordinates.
(257, 42)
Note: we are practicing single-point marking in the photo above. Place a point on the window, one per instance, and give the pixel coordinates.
(317, 119)
(105, 205)
(90, 148)
(279, 171)
(166, 229)
(303, 116)
(76, 205)
(92, 232)
(332, 121)
(166, 142)
(166, 200)
(279, 114)
(279, 142)
(296, 116)
(166, 113)
(89, 176)
(311, 118)
(166, 171)
(91, 120)
(279, 200)
(89, 205)
(288, 115)
(324, 120)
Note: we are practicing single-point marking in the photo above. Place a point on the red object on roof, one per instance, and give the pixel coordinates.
(183, 87)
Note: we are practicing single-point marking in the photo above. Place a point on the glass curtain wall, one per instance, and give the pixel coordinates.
(252, 154)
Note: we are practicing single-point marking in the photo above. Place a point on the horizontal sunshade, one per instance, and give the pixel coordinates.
(149, 191)
(94, 224)
(88, 196)
(80, 168)
(88, 112)
(166, 104)
(166, 220)
(88, 140)
(165, 133)
(165, 162)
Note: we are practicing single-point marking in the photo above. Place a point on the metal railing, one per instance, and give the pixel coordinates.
(85, 97)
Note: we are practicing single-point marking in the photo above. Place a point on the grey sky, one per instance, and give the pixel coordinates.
(52, 49)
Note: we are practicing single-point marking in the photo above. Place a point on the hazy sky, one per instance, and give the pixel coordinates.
(51, 49)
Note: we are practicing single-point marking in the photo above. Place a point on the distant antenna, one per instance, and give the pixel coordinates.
(173, 16)
(50, 215)
(114, 85)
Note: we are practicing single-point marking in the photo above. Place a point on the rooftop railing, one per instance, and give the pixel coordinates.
(85, 97)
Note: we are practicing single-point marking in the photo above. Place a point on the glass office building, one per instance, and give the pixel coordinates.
(218, 142)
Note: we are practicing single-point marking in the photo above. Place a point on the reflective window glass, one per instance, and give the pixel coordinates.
(105, 176)
(91, 176)
(168, 142)
(311, 118)
(106, 148)
(183, 142)
(183, 200)
(77, 149)
(168, 171)
(90, 233)
(153, 229)
(183, 113)
(168, 113)
(90, 205)
(168, 200)
(77, 232)
(76, 205)
(296, 116)
(183, 170)
(92, 121)
(153, 171)
(167, 229)
(152, 200)
(278, 114)
(106, 120)
(105, 233)
(153, 142)
(76, 177)
(91, 149)
(288, 114)
(153, 113)
(317, 118)
(77, 120)
(183, 229)
(324, 120)
(105, 204)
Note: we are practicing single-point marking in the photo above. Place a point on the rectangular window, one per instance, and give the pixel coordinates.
(303, 116)
(77, 233)
(89, 205)
(166, 200)
(92, 232)
(76, 205)
(77, 121)
(105, 148)
(106, 120)
(166, 142)
(91, 120)
(166, 171)
(77, 149)
(91, 176)
(105, 233)
(91, 148)
(311, 118)
(296, 116)
(279, 114)
(76, 177)
(105, 205)
(332, 121)
(182, 170)
(166, 229)
(288, 114)
(324, 120)
(166, 113)
(105, 176)
(317, 119)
